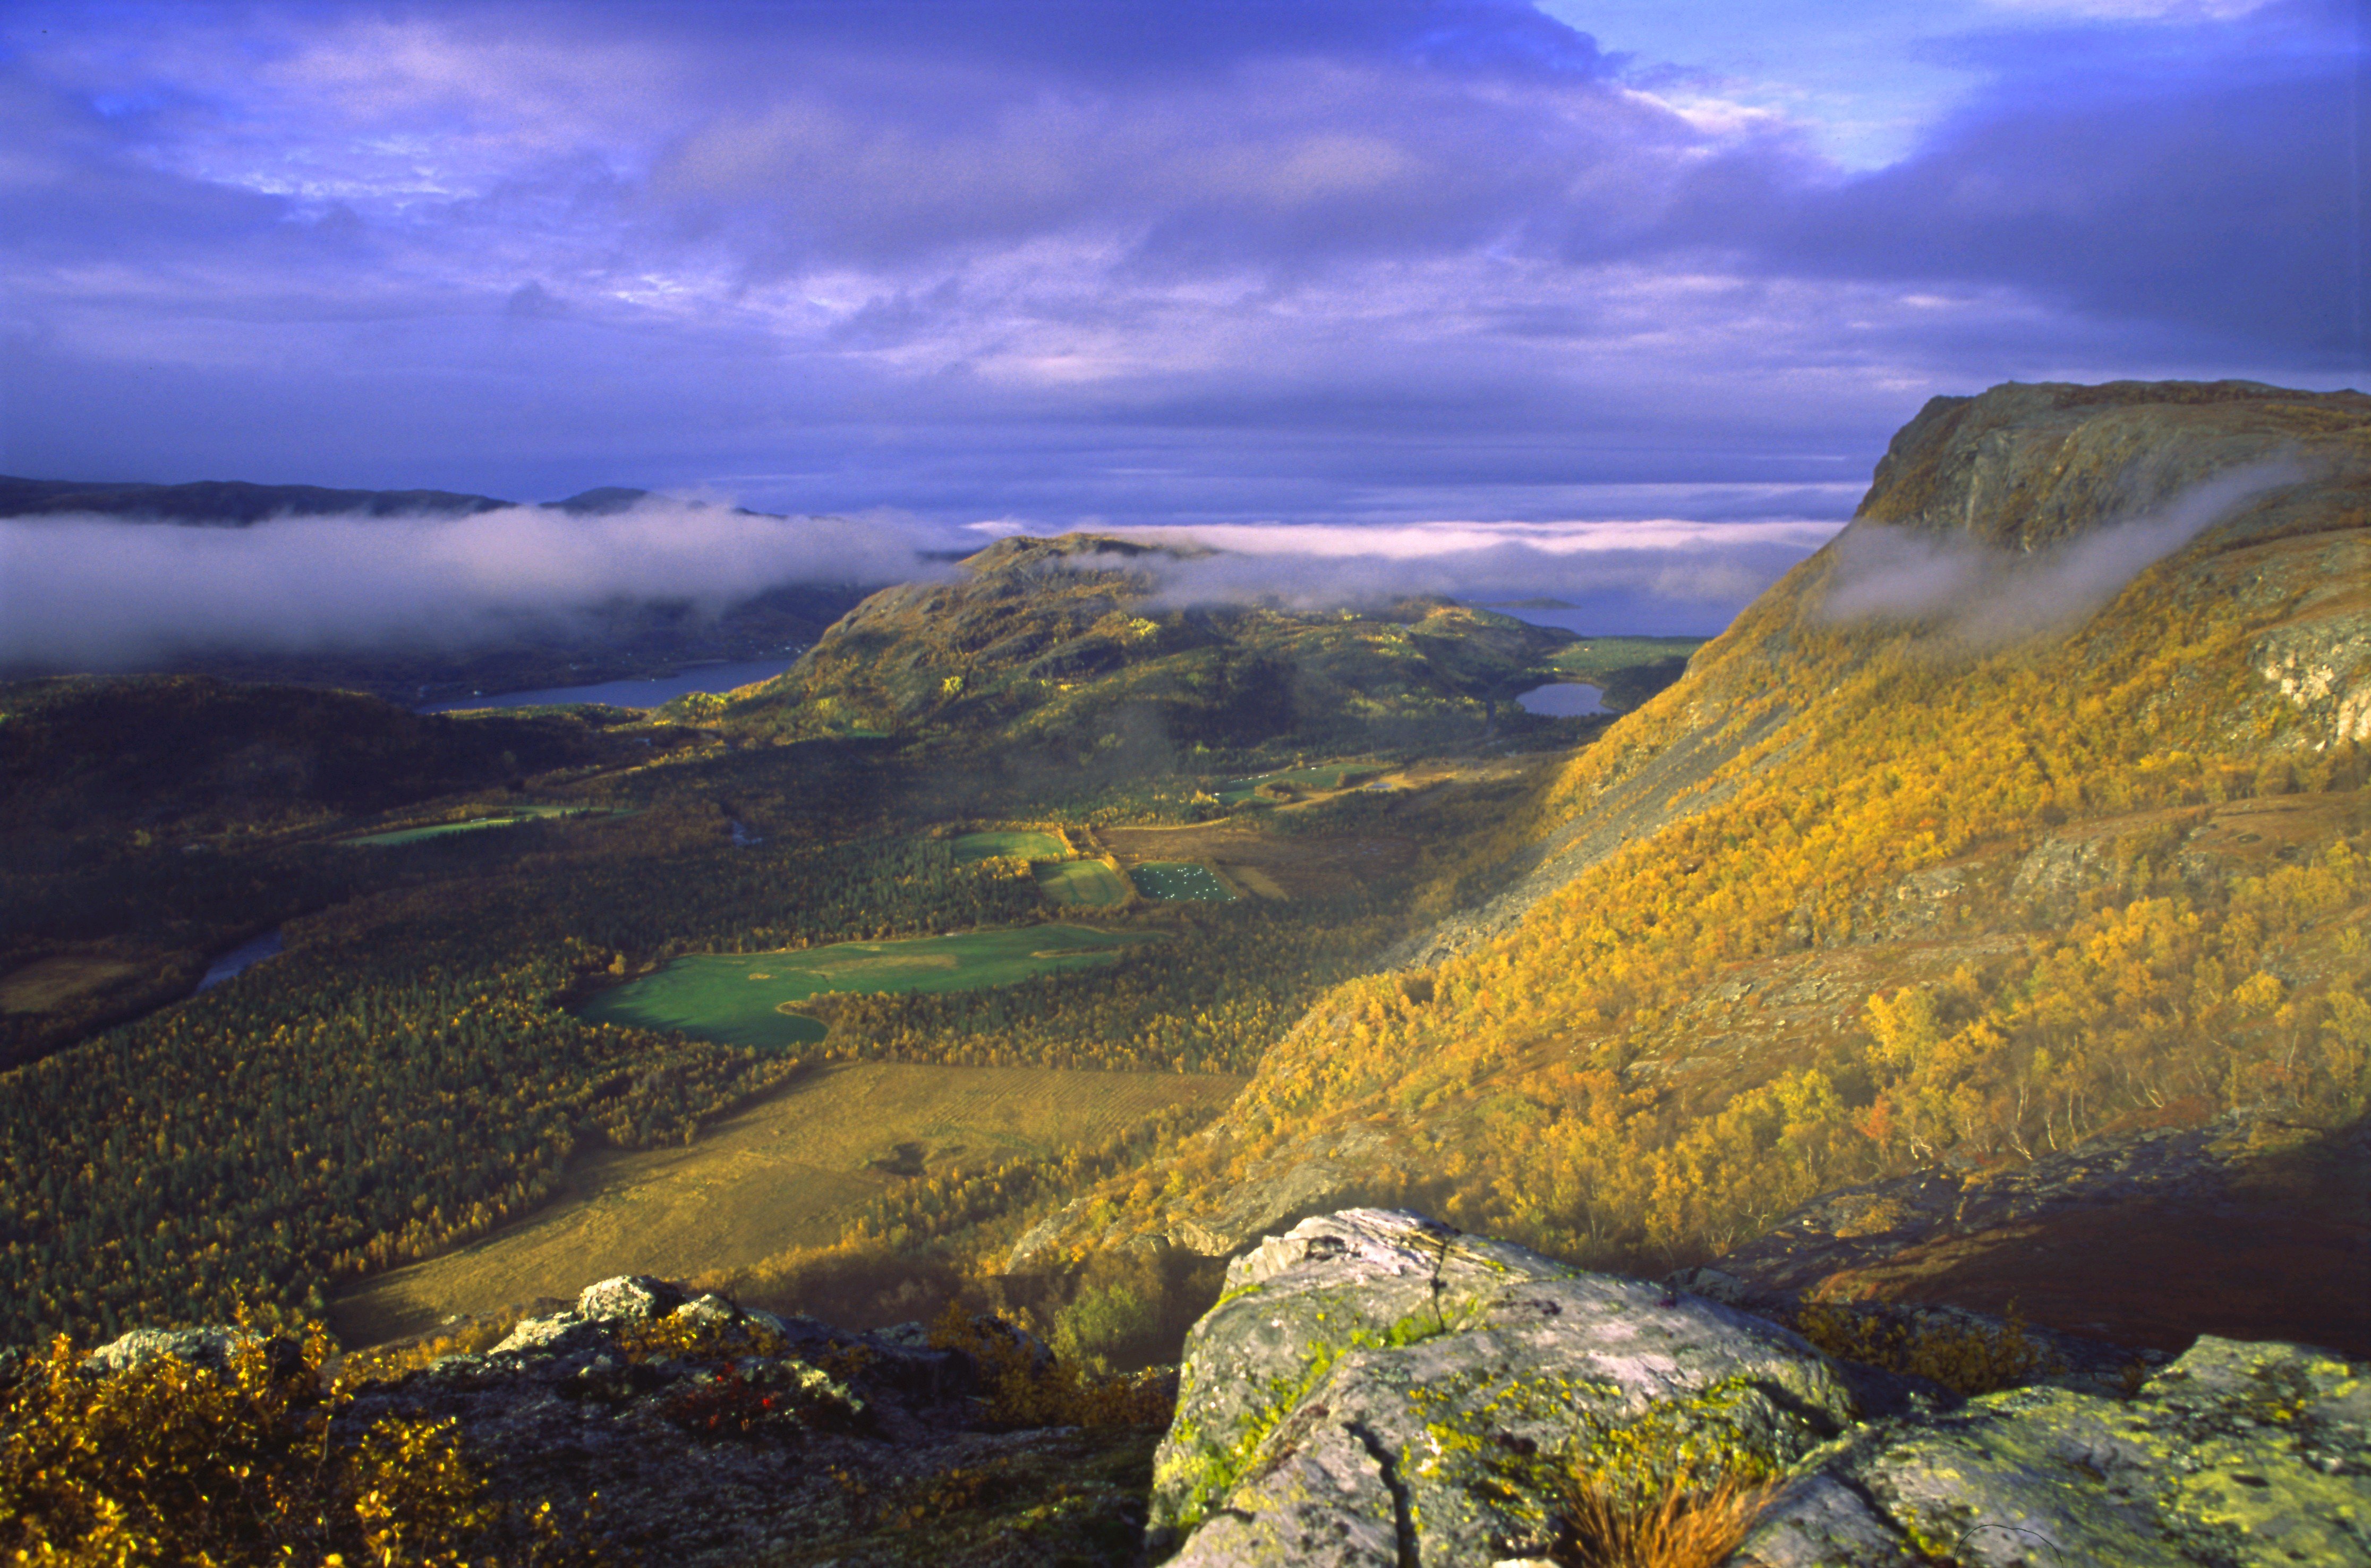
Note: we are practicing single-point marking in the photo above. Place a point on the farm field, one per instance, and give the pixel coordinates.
(1273, 866)
(1343, 776)
(740, 998)
(439, 830)
(1180, 880)
(1086, 883)
(788, 1172)
(1019, 842)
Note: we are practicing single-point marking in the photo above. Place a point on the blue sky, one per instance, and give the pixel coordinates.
(1375, 263)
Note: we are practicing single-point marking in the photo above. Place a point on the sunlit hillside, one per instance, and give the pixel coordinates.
(2016, 851)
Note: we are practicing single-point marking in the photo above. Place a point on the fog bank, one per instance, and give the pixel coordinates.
(1987, 597)
(97, 593)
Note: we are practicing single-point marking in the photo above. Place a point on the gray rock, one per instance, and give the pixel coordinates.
(210, 1346)
(2234, 1454)
(555, 1335)
(1375, 1388)
(1375, 1384)
(633, 1297)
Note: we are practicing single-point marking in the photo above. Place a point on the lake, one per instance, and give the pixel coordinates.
(640, 693)
(1562, 700)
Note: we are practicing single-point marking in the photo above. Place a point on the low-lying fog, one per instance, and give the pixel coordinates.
(98, 593)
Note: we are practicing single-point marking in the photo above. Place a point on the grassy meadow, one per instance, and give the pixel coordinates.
(1019, 843)
(1085, 883)
(789, 1172)
(749, 998)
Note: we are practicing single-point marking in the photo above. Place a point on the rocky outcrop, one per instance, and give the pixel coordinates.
(663, 1427)
(1375, 1388)
(2235, 1454)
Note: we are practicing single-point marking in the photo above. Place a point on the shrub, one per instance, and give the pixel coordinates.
(1966, 1356)
(173, 1462)
(1028, 1387)
(1648, 1497)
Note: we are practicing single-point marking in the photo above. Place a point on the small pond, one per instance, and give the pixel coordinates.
(1562, 700)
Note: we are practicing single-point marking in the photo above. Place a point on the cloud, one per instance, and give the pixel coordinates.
(1381, 261)
(94, 593)
(1975, 595)
(1660, 575)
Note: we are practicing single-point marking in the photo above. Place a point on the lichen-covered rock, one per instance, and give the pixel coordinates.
(1375, 1384)
(2235, 1454)
(1375, 1388)
(211, 1345)
(631, 1297)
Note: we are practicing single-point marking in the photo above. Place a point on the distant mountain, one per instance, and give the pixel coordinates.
(1066, 646)
(225, 502)
(237, 503)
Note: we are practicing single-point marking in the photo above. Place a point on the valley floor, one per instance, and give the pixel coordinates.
(788, 1172)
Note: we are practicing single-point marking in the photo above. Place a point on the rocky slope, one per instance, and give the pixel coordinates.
(644, 1426)
(1374, 1388)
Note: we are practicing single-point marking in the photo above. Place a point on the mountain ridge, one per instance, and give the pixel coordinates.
(1815, 913)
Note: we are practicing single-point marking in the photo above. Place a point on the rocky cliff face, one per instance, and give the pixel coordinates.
(1376, 1387)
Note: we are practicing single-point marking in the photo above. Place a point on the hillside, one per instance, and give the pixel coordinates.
(2028, 810)
(1066, 648)
(149, 822)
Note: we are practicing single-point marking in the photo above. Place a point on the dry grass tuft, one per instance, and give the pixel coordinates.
(1686, 1520)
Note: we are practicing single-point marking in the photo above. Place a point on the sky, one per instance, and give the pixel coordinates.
(968, 267)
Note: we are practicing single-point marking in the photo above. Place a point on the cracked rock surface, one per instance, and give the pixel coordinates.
(1376, 1388)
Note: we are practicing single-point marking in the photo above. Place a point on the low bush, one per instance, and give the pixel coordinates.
(174, 1462)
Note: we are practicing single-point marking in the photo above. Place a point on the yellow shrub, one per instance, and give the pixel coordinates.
(170, 1462)
(1967, 1358)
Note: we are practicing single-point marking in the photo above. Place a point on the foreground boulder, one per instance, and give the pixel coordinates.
(1375, 1384)
(2235, 1454)
(1376, 1387)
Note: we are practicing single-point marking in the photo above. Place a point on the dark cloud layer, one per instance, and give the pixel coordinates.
(1377, 261)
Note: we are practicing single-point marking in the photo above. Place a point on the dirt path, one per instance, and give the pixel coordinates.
(786, 1173)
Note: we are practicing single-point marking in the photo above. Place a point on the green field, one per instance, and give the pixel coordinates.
(1020, 843)
(1089, 883)
(510, 819)
(741, 998)
(1180, 880)
(1236, 791)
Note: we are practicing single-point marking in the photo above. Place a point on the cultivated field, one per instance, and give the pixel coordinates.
(1021, 843)
(1087, 883)
(1273, 866)
(1344, 775)
(786, 1173)
(749, 998)
(1180, 880)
